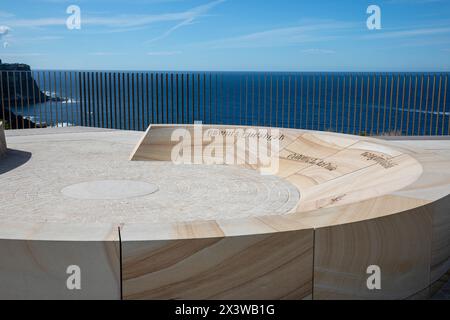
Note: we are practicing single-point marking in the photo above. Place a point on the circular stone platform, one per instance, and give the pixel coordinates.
(49, 187)
(150, 229)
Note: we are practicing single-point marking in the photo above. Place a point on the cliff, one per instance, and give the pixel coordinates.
(16, 78)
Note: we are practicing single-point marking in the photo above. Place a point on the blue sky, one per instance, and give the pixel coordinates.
(247, 35)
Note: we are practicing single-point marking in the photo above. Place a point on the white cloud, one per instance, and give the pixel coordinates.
(163, 53)
(408, 33)
(123, 21)
(318, 51)
(314, 32)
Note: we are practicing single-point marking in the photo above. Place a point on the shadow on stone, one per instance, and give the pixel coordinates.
(13, 159)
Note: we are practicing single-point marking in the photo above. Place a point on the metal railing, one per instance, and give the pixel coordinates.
(355, 103)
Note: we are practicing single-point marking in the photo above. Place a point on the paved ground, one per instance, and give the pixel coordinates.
(77, 175)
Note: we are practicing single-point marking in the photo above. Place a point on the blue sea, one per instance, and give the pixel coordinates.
(360, 103)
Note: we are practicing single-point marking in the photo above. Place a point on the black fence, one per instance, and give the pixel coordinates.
(355, 103)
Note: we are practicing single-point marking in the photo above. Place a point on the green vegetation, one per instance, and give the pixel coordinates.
(5, 124)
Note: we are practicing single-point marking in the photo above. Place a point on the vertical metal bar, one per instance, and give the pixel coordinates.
(204, 97)
(27, 88)
(259, 101)
(319, 98)
(39, 98)
(360, 104)
(350, 100)
(3, 99)
(432, 104)
(313, 102)
(81, 93)
(282, 102)
(147, 97)
(390, 102)
(419, 124)
(396, 104)
(344, 91)
(21, 99)
(445, 107)
(72, 100)
(124, 101)
(133, 100)
(277, 102)
(119, 99)
(193, 100)
(356, 99)
(217, 98)
(403, 104)
(172, 99)
(90, 90)
(253, 101)
(271, 100)
(210, 98)
(198, 98)
(60, 97)
(380, 82)
(246, 100)
(295, 102)
(301, 102)
(367, 107)
(415, 104)
(331, 104)
(129, 102)
(153, 117)
(373, 104)
(307, 102)
(187, 98)
(265, 101)
(325, 104)
(136, 93)
(426, 105)
(408, 117)
(97, 93)
(183, 113)
(289, 103)
(68, 99)
(167, 97)
(33, 85)
(337, 102)
(56, 100)
(108, 109)
(15, 99)
(115, 91)
(51, 98)
(438, 107)
(102, 94)
(9, 99)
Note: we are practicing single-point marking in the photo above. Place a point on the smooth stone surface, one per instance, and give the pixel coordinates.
(70, 160)
(109, 190)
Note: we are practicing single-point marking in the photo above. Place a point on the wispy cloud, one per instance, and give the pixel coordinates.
(191, 16)
(318, 51)
(285, 36)
(103, 54)
(408, 33)
(23, 54)
(163, 53)
(122, 21)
